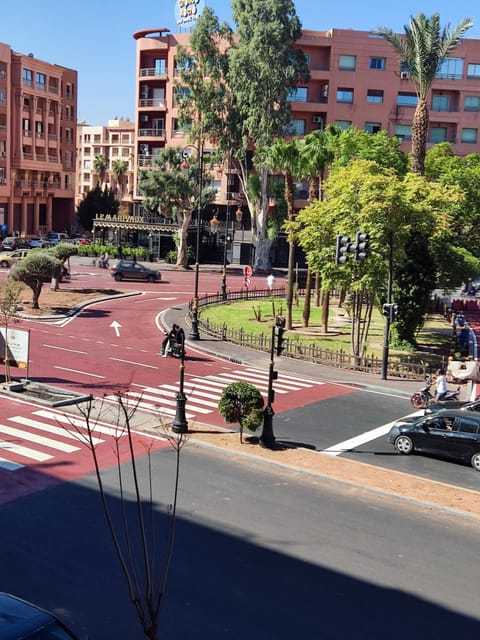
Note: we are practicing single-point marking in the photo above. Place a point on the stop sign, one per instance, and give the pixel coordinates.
(247, 272)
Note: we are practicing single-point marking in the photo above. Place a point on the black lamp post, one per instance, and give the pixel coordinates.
(180, 424)
(267, 439)
(194, 332)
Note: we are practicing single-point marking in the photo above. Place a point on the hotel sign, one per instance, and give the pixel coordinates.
(188, 11)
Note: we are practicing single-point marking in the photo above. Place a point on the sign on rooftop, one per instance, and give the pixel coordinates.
(188, 11)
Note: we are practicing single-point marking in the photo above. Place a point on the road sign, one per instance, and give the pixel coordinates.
(247, 272)
(246, 282)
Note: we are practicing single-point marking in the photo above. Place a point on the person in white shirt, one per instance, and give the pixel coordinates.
(441, 384)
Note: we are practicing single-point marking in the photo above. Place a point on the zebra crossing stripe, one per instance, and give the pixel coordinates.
(37, 439)
(278, 384)
(80, 424)
(192, 394)
(43, 426)
(306, 382)
(167, 389)
(25, 452)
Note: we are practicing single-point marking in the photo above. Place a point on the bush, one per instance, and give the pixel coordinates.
(243, 403)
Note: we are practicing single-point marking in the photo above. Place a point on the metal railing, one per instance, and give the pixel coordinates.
(398, 367)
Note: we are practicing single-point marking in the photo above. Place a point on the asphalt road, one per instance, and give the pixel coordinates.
(258, 554)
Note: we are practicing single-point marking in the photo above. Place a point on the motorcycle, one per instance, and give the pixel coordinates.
(174, 348)
(421, 399)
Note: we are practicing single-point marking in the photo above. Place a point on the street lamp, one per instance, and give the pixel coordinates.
(227, 223)
(180, 424)
(194, 332)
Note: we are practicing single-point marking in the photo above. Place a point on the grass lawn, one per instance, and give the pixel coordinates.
(258, 316)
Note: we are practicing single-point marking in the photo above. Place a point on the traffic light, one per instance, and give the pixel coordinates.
(344, 247)
(390, 311)
(361, 245)
(280, 324)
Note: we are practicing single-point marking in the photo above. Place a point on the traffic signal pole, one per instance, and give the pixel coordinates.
(267, 439)
(388, 319)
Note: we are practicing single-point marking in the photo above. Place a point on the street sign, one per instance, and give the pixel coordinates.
(246, 282)
(247, 272)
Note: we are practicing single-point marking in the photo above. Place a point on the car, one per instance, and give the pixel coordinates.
(131, 270)
(7, 260)
(21, 620)
(463, 405)
(43, 243)
(54, 237)
(449, 433)
(14, 242)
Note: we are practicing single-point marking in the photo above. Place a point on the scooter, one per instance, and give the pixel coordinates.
(421, 399)
(174, 349)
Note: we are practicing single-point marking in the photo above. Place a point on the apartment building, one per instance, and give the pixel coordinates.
(38, 109)
(115, 142)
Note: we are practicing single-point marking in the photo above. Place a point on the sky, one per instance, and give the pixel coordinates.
(96, 38)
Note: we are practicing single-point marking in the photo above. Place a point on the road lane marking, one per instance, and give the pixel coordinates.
(136, 364)
(50, 428)
(37, 439)
(83, 373)
(356, 441)
(53, 346)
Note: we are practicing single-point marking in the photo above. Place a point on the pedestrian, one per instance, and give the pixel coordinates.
(270, 281)
(441, 384)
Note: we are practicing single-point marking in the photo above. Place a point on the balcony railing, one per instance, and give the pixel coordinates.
(151, 133)
(156, 73)
(152, 102)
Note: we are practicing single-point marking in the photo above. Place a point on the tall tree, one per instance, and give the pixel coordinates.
(239, 92)
(100, 166)
(422, 50)
(119, 170)
(96, 202)
(172, 187)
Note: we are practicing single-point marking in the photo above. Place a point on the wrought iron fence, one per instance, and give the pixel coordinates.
(398, 367)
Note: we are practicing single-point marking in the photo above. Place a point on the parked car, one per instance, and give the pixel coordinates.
(450, 433)
(54, 237)
(10, 258)
(43, 243)
(21, 620)
(131, 270)
(14, 242)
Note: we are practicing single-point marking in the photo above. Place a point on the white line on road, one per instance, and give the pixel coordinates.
(53, 346)
(136, 364)
(83, 373)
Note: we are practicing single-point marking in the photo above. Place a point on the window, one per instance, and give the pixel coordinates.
(347, 63)
(40, 81)
(343, 124)
(344, 95)
(375, 95)
(407, 99)
(403, 132)
(296, 128)
(308, 59)
(441, 103)
(469, 136)
(438, 134)
(160, 66)
(26, 124)
(451, 68)
(373, 127)
(27, 77)
(473, 71)
(471, 103)
(299, 94)
(377, 63)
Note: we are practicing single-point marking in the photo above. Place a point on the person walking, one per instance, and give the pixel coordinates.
(441, 385)
(270, 281)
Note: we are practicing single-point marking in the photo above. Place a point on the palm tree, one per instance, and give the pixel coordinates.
(119, 169)
(422, 49)
(100, 165)
(284, 157)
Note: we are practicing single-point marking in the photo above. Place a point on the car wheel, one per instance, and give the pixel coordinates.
(476, 461)
(151, 278)
(118, 277)
(404, 445)
(4, 264)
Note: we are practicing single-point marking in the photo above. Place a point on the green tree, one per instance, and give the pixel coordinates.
(95, 202)
(38, 267)
(422, 50)
(10, 292)
(100, 166)
(119, 170)
(245, 102)
(243, 403)
(171, 187)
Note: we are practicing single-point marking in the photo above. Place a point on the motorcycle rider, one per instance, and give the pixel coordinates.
(441, 385)
(169, 337)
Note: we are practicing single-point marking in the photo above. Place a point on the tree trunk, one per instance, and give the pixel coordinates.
(308, 299)
(325, 310)
(37, 290)
(182, 250)
(419, 137)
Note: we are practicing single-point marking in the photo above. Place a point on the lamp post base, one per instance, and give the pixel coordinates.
(180, 424)
(267, 439)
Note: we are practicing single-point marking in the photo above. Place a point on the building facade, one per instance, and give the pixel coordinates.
(116, 143)
(38, 113)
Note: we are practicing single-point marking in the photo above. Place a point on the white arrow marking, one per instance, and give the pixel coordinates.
(116, 326)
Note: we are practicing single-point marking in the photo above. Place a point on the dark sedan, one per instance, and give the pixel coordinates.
(20, 620)
(463, 405)
(131, 270)
(451, 433)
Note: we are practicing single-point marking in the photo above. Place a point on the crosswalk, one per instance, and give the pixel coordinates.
(203, 393)
(45, 435)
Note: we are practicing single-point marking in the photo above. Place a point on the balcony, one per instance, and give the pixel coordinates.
(156, 103)
(151, 133)
(153, 73)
